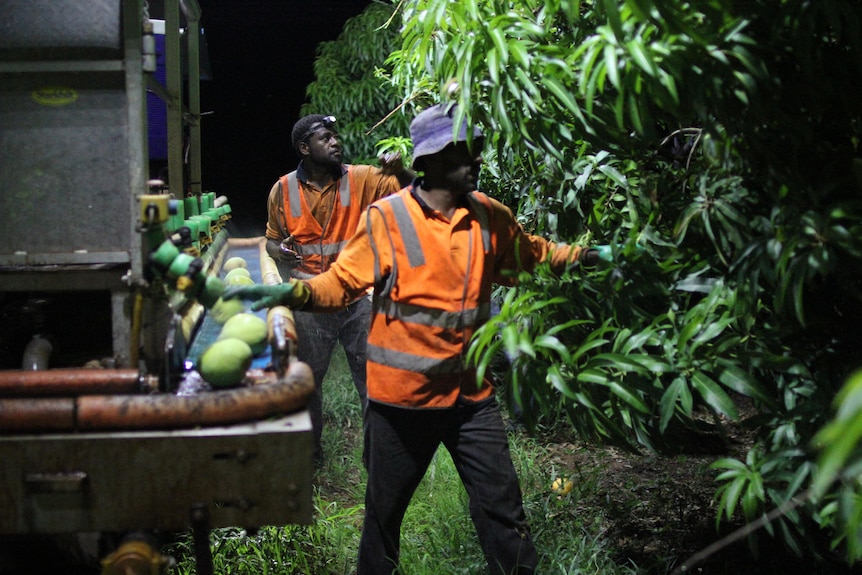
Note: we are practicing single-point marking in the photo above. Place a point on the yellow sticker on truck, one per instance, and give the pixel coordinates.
(54, 96)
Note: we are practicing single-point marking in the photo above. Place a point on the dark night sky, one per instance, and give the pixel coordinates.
(261, 53)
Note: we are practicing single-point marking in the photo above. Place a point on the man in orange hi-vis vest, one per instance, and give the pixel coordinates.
(432, 253)
(311, 213)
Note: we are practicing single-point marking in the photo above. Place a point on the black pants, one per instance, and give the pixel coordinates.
(318, 333)
(400, 444)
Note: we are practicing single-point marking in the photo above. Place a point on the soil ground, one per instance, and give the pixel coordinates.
(658, 511)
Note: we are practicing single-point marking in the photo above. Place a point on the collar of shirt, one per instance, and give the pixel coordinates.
(414, 191)
(302, 174)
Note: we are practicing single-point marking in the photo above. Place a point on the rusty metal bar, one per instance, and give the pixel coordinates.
(269, 395)
(73, 382)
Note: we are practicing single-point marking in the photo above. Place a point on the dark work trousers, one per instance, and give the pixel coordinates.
(400, 444)
(317, 334)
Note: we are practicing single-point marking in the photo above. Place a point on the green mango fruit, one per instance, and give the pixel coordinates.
(237, 272)
(239, 281)
(233, 263)
(224, 363)
(210, 292)
(248, 327)
(224, 309)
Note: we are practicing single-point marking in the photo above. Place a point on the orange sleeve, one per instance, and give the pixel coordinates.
(519, 251)
(275, 222)
(374, 183)
(353, 272)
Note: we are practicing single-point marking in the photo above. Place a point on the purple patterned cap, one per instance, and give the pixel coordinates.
(431, 130)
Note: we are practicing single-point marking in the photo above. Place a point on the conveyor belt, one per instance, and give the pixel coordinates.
(209, 329)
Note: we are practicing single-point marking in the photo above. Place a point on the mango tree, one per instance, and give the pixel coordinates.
(714, 146)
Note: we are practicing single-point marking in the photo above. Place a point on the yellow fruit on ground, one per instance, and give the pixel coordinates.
(224, 309)
(562, 486)
(237, 272)
(233, 263)
(224, 363)
(249, 328)
(239, 281)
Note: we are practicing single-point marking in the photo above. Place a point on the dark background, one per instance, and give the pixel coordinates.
(261, 56)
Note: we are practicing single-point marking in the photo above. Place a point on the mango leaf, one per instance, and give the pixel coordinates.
(563, 95)
(687, 332)
(641, 58)
(714, 396)
(592, 376)
(511, 339)
(618, 361)
(611, 65)
(551, 342)
(730, 495)
(696, 283)
(614, 174)
(742, 382)
(669, 399)
(560, 383)
(588, 345)
(628, 396)
(838, 438)
(500, 44)
(614, 18)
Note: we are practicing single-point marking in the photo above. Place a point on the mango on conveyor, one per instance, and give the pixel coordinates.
(239, 280)
(236, 272)
(224, 309)
(224, 363)
(233, 263)
(247, 327)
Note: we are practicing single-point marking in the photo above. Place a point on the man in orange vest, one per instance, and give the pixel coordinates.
(432, 253)
(311, 213)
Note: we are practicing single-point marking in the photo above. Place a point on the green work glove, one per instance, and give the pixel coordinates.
(293, 294)
(604, 252)
(592, 255)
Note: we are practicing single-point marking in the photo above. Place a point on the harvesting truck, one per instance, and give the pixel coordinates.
(111, 275)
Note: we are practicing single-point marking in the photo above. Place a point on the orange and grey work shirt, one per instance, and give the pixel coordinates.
(322, 220)
(432, 279)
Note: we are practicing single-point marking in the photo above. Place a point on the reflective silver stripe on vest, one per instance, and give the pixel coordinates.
(318, 249)
(434, 317)
(380, 289)
(344, 188)
(293, 193)
(408, 232)
(414, 363)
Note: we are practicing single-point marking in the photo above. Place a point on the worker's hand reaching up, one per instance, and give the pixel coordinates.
(391, 164)
(293, 294)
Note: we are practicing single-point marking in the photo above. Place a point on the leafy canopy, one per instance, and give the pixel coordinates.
(714, 146)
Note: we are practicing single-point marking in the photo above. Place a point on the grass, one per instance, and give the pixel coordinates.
(437, 536)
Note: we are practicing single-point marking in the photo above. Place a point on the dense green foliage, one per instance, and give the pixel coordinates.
(715, 146)
(348, 83)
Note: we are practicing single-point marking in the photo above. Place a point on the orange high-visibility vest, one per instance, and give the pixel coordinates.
(319, 244)
(427, 308)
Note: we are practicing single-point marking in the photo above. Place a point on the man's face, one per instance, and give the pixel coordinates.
(323, 147)
(456, 166)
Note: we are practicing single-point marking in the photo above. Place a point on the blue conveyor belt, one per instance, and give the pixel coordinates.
(209, 329)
